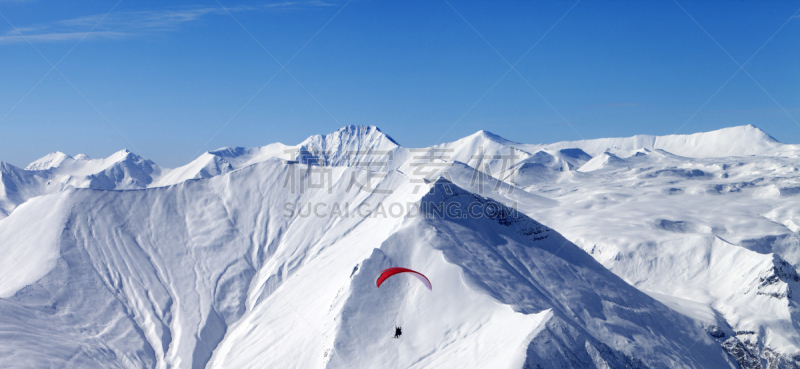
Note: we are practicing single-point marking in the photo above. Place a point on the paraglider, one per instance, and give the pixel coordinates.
(392, 271)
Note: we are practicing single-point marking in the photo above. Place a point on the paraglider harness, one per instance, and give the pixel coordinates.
(397, 332)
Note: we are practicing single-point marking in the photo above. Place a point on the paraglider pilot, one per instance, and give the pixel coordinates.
(397, 332)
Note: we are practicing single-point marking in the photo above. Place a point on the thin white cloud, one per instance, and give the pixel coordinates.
(133, 23)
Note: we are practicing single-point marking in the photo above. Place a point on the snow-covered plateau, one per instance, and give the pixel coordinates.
(675, 251)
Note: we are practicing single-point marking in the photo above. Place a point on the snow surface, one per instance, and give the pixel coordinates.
(734, 141)
(678, 251)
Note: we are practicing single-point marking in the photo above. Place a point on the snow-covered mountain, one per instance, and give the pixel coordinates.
(349, 146)
(734, 141)
(56, 171)
(677, 251)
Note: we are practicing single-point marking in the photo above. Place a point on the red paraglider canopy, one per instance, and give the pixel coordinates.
(392, 271)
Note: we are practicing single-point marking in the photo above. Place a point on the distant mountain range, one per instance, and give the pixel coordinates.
(675, 251)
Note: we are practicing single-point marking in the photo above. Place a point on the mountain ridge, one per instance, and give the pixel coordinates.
(353, 132)
(712, 239)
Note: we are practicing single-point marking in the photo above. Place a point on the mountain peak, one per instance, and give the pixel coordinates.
(48, 161)
(121, 153)
(350, 137)
(362, 131)
(748, 130)
(347, 145)
(484, 134)
(731, 141)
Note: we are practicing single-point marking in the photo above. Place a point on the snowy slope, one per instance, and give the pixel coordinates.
(364, 146)
(155, 277)
(18, 185)
(349, 146)
(121, 170)
(221, 161)
(601, 161)
(165, 277)
(238, 268)
(483, 150)
(711, 238)
(51, 160)
(484, 262)
(733, 141)
(57, 171)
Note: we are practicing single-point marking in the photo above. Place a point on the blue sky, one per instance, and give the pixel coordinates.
(172, 81)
